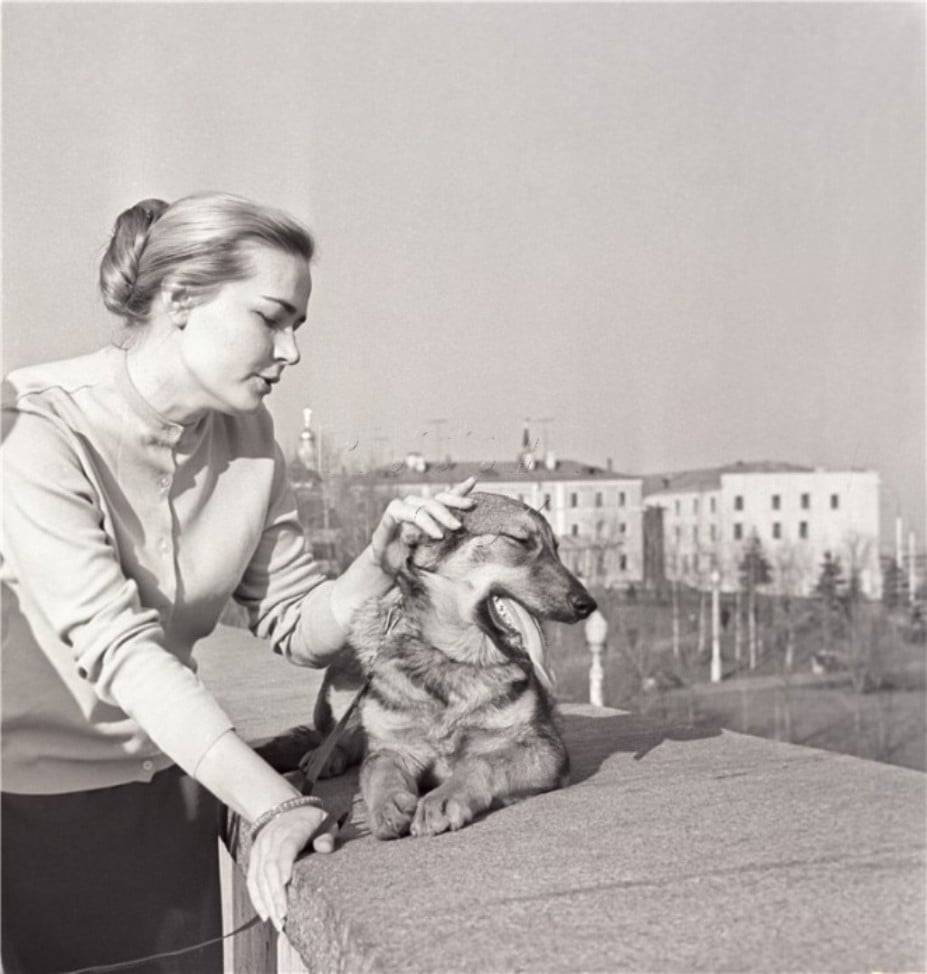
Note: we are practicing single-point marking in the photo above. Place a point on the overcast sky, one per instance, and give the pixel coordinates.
(687, 234)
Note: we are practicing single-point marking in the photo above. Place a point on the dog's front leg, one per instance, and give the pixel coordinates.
(389, 785)
(481, 781)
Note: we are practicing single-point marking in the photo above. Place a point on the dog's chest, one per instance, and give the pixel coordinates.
(441, 706)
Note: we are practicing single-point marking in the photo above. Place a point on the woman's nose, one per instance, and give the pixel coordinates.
(286, 349)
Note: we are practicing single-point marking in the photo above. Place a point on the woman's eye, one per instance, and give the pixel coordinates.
(270, 322)
(517, 539)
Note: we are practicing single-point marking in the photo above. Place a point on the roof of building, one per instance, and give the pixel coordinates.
(707, 478)
(494, 471)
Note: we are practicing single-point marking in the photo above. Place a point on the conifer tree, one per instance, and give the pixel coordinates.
(754, 571)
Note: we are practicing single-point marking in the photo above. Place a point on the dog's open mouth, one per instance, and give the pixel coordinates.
(516, 631)
(502, 611)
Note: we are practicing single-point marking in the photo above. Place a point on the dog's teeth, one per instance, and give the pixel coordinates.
(501, 609)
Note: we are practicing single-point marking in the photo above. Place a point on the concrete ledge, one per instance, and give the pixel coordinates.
(675, 849)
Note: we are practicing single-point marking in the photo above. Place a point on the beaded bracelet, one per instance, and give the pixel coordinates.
(298, 802)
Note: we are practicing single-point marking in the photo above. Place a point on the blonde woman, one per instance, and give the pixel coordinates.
(143, 488)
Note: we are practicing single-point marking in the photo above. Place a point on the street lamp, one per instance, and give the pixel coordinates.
(596, 631)
(715, 626)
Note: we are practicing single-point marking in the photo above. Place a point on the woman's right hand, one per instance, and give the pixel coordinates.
(275, 850)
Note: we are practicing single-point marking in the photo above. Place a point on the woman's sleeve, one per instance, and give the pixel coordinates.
(70, 583)
(287, 597)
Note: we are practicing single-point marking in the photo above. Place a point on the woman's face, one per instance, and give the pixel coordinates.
(235, 345)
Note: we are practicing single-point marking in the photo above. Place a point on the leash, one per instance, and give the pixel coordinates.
(322, 753)
(123, 965)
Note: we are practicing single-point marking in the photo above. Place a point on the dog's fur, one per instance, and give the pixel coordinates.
(457, 717)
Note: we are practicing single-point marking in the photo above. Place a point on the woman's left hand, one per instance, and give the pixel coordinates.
(407, 519)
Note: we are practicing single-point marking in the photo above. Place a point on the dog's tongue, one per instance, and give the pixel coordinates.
(532, 637)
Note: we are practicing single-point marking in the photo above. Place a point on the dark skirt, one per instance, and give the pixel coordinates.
(97, 877)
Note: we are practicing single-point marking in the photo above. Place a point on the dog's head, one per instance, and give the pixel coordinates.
(505, 550)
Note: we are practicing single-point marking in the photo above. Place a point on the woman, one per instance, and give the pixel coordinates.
(143, 489)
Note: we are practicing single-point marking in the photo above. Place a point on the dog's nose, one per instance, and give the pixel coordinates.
(583, 604)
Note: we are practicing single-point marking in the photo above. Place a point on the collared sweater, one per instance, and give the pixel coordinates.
(123, 537)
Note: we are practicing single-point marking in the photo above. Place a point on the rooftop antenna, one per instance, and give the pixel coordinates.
(543, 422)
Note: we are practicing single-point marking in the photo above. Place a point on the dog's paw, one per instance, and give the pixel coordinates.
(390, 817)
(439, 812)
(337, 763)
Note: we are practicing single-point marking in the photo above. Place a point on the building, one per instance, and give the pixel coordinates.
(797, 514)
(594, 511)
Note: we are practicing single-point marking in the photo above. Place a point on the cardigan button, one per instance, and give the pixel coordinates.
(147, 765)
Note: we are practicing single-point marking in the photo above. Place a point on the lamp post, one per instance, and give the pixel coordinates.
(715, 626)
(596, 631)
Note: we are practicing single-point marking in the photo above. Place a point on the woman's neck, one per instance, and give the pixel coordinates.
(153, 367)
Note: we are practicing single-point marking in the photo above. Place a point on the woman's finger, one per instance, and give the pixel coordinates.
(417, 511)
(440, 514)
(325, 841)
(456, 501)
(464, 488)
(254, 889)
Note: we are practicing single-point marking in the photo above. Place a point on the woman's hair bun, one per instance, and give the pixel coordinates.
(198, 243)
(119, 267)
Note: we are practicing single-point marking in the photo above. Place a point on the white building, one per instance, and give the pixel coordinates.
(595, 512)
(797, 513)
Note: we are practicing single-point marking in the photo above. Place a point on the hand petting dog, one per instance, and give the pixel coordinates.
(404, 523)
(407, 520)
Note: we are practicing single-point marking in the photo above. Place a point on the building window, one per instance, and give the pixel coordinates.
(598, 498)
(739, 503)
(695, 505)
(834, 501)
(574, 529)
(546, 502)
(599, 528)
(803, 529)
(678, 532)
(676, 508)
(695, 533)
(623, 563)
(805, 501)
(712, 505)
(695, 562)
(777, 530)
(713, 532)
(521, 498)
(621, 498)
(776, 501)
(685, 564)
(574, 499)
(738, 531)
(622, 527)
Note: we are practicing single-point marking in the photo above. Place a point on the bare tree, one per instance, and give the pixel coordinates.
(789, 571)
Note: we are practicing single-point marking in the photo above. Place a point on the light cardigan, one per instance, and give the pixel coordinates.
(123, 536)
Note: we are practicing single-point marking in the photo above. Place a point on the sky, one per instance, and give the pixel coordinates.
(672, 235)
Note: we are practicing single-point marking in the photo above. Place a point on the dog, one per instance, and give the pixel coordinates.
(458, 715)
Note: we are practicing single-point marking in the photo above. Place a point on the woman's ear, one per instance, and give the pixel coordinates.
(178, 302)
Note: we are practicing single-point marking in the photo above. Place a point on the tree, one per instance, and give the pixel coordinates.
(831, 583)
(894, 584)
(789, 574)
(829, 589)
(754, 571)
